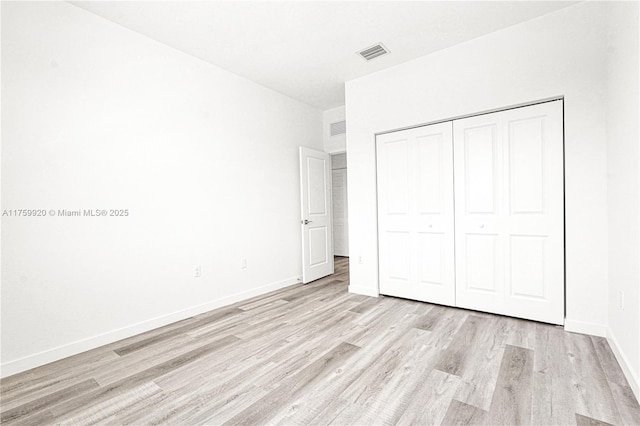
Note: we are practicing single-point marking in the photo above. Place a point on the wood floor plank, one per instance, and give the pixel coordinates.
(261, 411)
(40, 390)
(305, 307)
(236, 403)
(145, 358)
(367, 364)
(433, 318)
(431, 399)
(608, 360)
(553, 397)
(482, 369)
(511, 403)
(478, 368)
(213, 403)
(389, 404)
(381, 395)
(388, 315)
(303, 408)
(244, 352)
(305, 292)
(592, 393)
(366, 305)
(277, 310)
(588, 421)
(97, 396)
(153, 340)
(460, 413)
(44, 403)
(139, 412)
(220, 365)
(295, 340)
(520, 332)
(444, 322)
(258, 377)
(626, 403)
(455, 359)
(97, 413)
(268, 299)
(24, 387)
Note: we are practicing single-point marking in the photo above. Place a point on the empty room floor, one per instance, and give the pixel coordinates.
(316, 354)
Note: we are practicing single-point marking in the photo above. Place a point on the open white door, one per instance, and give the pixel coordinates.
(315, 197)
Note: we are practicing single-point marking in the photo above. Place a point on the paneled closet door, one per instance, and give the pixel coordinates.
(415, 214)
(509, 212)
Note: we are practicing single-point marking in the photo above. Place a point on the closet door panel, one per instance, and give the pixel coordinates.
(340, 212)
(398, 246)
(430, 173)
(481, 147)
(509, 190)
(396, 182)
(479, 263)
(535, 211)
(394, 187)
(525, 144)
(528, 263)
(432, 266)
(415, 214)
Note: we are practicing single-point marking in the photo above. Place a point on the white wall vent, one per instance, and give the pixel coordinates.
(338, 128)
(373, 52)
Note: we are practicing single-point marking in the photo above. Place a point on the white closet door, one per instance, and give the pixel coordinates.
(509, 209)
(340, 213)
(415, 213)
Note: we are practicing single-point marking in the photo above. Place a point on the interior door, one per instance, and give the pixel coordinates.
(509, 212)
(415, 214)
(317, 233)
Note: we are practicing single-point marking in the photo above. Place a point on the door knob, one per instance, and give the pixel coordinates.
(306, 222)
(481, 226)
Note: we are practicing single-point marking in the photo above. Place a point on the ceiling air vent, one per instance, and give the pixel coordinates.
(373, 52)
(338, 128)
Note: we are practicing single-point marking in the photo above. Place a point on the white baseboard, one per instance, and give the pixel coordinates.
(632, 376)
(366, 291)
(50, 355)
(582, 327)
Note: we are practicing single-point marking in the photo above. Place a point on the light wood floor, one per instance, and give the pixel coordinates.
(316, 354)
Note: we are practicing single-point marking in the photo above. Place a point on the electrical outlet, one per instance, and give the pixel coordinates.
(360, 261)
(197, 271)
(621, 294)
(243, 263)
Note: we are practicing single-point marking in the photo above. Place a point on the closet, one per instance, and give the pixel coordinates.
(340, 204)
(471, 213)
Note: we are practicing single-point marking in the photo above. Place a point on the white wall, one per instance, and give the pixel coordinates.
(97, 116)
(560, 54)
(338, 143)
(623, 160)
